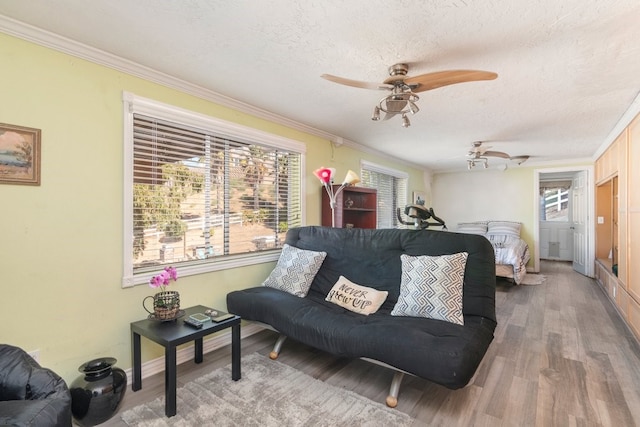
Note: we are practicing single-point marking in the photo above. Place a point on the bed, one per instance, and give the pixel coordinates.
(512, 253)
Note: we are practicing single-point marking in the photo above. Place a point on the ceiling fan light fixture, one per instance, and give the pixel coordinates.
(376, 114)
(401, 101)
(471, 163)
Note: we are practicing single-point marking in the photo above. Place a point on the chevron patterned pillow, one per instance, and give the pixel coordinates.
(431, 287)
(295, 270)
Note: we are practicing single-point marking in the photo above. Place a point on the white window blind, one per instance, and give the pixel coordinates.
(392, 192)
(199, 197)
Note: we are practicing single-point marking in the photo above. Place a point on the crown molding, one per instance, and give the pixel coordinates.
(625, 120)
(65, 45)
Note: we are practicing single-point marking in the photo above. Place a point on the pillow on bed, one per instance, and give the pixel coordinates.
(502, 240)
(504, 228)
(472, 228)
(431, 287)
(295, 270)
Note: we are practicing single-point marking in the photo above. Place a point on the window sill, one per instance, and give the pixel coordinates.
(222, 263)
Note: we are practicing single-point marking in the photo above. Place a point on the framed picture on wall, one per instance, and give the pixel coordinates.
(419, 198)
(19, 155)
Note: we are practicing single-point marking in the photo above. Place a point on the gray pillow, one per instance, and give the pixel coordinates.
(472, 228)
(504, 228)
(295, 270)
(431, 287)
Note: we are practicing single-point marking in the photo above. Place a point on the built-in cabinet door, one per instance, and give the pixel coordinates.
(634, 316)
(633, 211)
(607, 164)
(623, 229)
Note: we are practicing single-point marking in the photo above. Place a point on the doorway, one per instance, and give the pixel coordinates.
(556, 216)
(563, 220)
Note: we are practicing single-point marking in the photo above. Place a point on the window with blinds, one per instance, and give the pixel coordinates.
(392, 192)
(199, 196)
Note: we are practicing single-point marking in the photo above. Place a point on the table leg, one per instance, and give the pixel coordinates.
(235, 352)
(170, 380)
(136, 362)
(198, 350)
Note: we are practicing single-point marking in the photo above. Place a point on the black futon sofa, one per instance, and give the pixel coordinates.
(436, 350)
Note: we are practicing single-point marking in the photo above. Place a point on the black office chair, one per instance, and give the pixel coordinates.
(31, 395)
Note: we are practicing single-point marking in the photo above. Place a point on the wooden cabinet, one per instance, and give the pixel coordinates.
(623, 205)
(604, 222)
(618, 224)
(612, 184)
(607, 164)
(355, 207)
(633, 211)
(634, 317)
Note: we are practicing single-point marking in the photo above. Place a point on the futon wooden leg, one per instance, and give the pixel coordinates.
(392, 399)
(277, 347)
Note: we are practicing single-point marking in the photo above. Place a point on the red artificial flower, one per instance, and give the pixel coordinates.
(324, 174)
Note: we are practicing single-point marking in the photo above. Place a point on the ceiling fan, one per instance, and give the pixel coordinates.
(403, 88)
(479, 153)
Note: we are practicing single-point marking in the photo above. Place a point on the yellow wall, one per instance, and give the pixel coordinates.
(61, 242)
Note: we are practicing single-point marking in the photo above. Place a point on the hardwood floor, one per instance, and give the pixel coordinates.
(561, 357)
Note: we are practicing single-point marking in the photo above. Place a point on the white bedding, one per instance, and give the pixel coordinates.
(512, 252)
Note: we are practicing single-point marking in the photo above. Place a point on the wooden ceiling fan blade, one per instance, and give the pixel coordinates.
(519, 159)
(439, 79)
(496, 154)
(356, 83)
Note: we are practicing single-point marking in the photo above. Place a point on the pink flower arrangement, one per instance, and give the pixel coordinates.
(163, 279)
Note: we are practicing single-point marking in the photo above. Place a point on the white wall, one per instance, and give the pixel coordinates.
(485, 195)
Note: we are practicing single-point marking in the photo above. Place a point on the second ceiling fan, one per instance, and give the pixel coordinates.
(403, 98)
(479, 153)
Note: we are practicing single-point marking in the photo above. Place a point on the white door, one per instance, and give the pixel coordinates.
(579, 215)
(556, 239)
(556, 220)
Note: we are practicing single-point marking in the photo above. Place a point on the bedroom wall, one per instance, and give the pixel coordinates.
(489, 194)
(61, 246)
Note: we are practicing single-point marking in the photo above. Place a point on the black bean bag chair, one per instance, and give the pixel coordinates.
(31, 395)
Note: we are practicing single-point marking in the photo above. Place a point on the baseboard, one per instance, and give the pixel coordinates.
(220, 340)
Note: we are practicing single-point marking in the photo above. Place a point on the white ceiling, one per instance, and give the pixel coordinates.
(567, 69)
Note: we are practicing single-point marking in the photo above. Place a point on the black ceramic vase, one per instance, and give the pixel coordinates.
(96, 395)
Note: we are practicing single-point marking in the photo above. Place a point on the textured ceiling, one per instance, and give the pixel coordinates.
(567, 70)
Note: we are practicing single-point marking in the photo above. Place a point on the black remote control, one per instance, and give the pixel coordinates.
(223, 317)
(193, 323)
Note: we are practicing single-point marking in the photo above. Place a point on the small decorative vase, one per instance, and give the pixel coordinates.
(348, 203)
(97, 394)
(166, 305)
